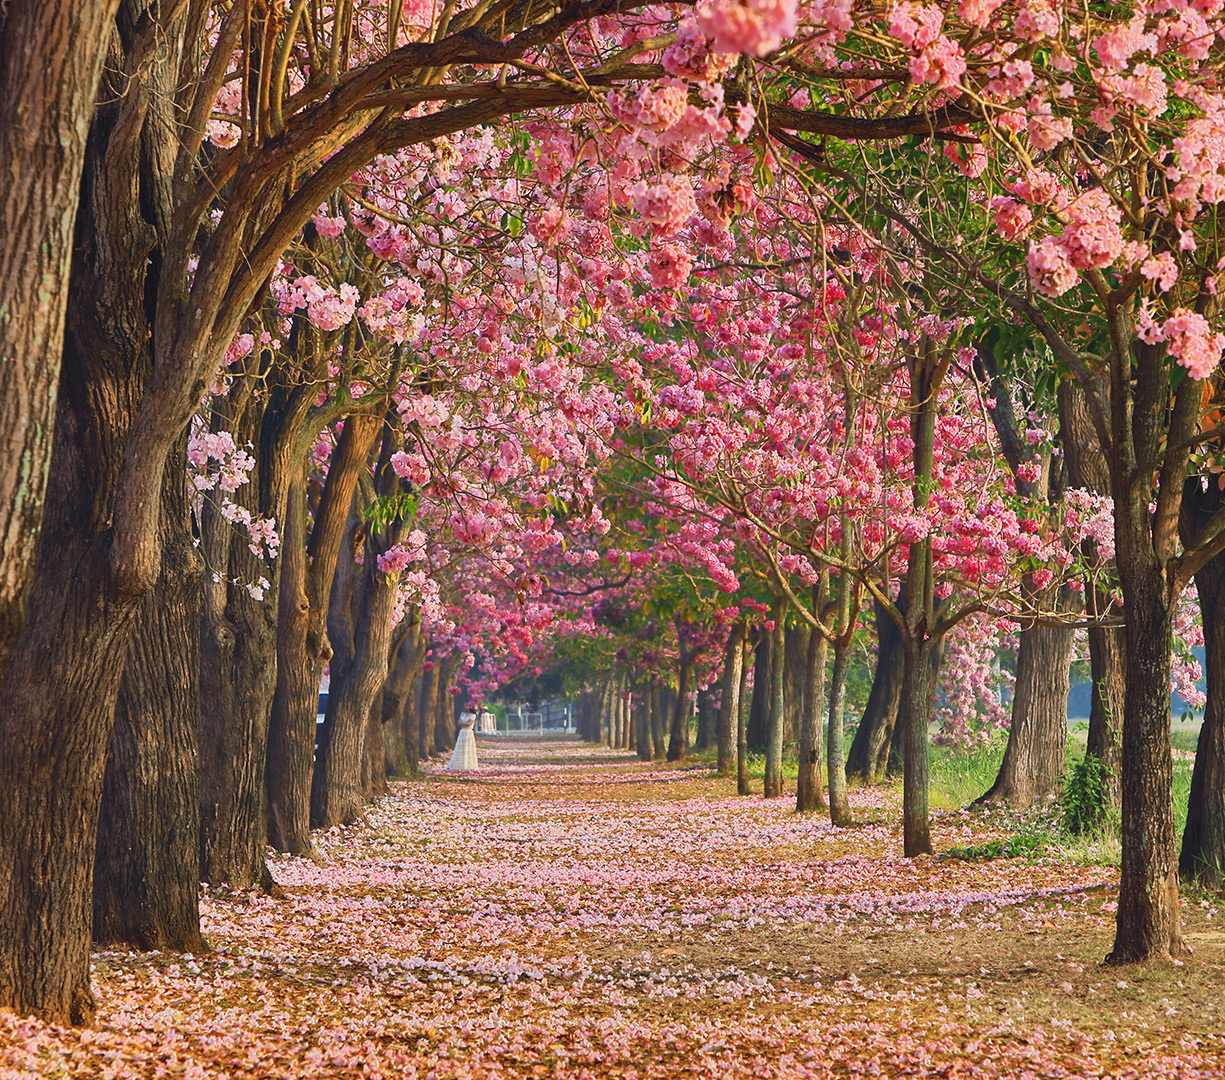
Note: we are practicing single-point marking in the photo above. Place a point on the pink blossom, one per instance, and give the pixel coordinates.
(756, 27)
(670, 266)
(1049, 267)
(1012, 219)
(1193, 343)
(1162, 269)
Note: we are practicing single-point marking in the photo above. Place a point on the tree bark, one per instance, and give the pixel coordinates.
(808, 794)
(678, 736)
(759, 707)
(1088, 468)
(868, 757)
(773, 784)
(659, 723)
(1202, 856)
(1036, 753)
(303, 650)
(51, 55)
(729, 706)
(400, 737)
(742, 733)
(643, 722)
(795, 671)
(707, 719)
(147, 862)
(360, 625)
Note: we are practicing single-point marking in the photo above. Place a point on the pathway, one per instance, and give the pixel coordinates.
(572, 912)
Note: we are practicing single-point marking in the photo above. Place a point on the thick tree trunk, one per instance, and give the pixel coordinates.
(51, 55)
(742, 731)
(1147, 921)
(401, 742)
(1036, 753)
(303, 650)
(729, 706)
(62, 681)
(147, 862)
(808, 794)
(794, 676)
(1203, 842)
(374, 753)
(773, 784)
(360, 625)
(868, 757)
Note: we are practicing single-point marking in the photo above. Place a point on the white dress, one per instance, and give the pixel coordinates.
(464, 757)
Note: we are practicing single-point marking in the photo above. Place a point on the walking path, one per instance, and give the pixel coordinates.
(569, 911)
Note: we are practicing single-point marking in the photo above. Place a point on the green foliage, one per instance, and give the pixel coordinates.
(1028, 843)
(383, 511)
(1084, 802)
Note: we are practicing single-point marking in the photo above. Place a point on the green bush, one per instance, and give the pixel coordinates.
(1084, 796)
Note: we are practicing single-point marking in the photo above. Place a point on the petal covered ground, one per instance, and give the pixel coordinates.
(571, 912)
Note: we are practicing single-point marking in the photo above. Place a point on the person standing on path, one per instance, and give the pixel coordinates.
(464, 757)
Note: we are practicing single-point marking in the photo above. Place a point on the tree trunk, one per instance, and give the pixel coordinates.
(1088, 468)
(839, 806)
(1036, 753)
(91, 572)
(444, 709)
(1147, 922)
(808, 794)
(795, 672)
(643, 723)
(401, 737)
(147, 862)
(707, 718)
(917, 692)
(1203, 842)
(729, 706)
(678, 736)
(428, 709)
(374, 754)
(360, 625)
(742, 733)
(51, 55)
(759, 707)
(868, 757)
(773, 785)
(303, 650)
(659, 723)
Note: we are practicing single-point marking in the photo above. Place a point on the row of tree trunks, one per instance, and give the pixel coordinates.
(399, 717)
(91, 571)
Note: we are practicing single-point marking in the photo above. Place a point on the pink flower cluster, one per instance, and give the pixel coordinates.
(756, 27)
(1092, 240)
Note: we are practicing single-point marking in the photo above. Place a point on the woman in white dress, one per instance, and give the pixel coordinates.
(464, 757)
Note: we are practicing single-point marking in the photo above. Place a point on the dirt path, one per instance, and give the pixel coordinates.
(571, 912)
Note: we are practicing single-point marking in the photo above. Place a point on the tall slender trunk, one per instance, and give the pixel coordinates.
(795, 671)
(643, 721)
(147, 862)
(444, 708)
(678, 736)
(742, 733)
(51, 57)
(1035, 756)
(917, 692)
(868, 757)
(759, 707)
(707, 718)
(1088, 468)
(839, 806)
(773, 785)
(729, 706)
(1203, 843)
(808, 793)
(429, 708)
